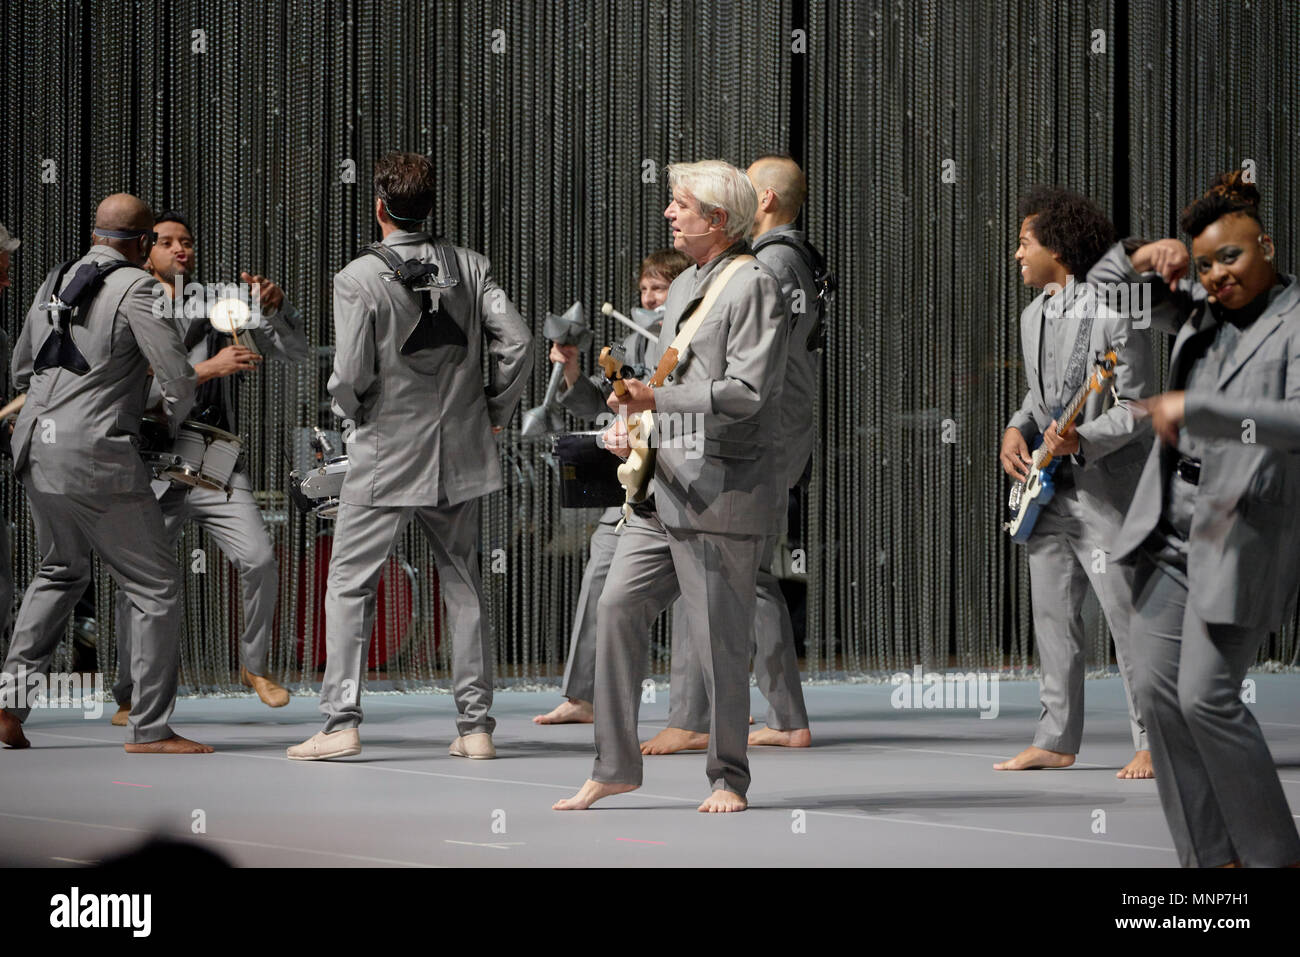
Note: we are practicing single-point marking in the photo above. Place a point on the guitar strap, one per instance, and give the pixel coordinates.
(1076, 369)
(686, 331)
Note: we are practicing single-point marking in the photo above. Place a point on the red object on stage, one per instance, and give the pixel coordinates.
(394, 626)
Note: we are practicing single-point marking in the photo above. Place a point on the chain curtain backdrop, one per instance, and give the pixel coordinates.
(919, 124)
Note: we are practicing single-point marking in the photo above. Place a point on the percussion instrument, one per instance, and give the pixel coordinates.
(200, 456)
(588, 471)
(316, 488)
(396, 609)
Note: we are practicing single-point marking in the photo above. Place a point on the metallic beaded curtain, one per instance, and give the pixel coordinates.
(550, 125)
(1216, 89)
(919, 124)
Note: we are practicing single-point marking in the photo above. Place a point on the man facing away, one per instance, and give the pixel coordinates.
(411, 323)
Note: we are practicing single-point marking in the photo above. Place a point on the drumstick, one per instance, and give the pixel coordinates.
(609, 310)
(14, 405)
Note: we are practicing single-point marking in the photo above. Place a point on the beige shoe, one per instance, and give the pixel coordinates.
(121, 718)
(272, 694)
(478, 745)
(321, 746)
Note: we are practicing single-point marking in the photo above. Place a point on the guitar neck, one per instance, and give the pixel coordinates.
(1076, 405)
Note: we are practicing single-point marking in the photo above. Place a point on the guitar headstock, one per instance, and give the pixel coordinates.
(1106, 363)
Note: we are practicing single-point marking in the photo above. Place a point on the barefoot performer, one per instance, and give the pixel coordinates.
(233, 519)
(781, 187)
(585, 398)
(83, 358)
(1214, 528)
(702, 535)
(1064, 235)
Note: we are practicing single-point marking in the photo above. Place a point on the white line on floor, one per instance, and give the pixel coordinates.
(664, 797)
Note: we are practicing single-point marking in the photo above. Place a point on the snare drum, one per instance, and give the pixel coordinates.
(317, 490)
(200, 456)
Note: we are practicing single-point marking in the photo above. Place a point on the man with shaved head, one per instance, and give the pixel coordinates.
(781, 188)
(84, 358)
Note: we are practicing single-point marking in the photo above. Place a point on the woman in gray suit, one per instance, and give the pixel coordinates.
(1218, 503)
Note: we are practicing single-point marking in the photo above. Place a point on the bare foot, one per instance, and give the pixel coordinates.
(572, 711)
(173, 745)
(798, 738)
(122, 716)
(590, 793)
(721, 801)
(1139, 767)
(751, 719)
(1032, 758)
(672, 740)
(11, 731)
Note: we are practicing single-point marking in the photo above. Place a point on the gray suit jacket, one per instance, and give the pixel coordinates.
(424, 422)
(731, 374)
(1113, 441)
(78, 433)
(1246, 523)
(799, 390)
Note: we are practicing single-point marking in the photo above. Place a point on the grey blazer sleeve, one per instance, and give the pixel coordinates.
(1023, 419)
(508, 350)
(1169, 308)
(1277, 421)
(161, 344)
(354, 347)
(1134, 380)
(282, 336)
(584, 398)
(756, 350)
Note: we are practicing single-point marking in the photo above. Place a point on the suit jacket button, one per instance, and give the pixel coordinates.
(669, 379)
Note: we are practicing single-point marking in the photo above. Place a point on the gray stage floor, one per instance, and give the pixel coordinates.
(880, 787)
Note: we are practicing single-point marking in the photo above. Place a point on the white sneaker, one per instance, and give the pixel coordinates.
(478, 745)
(321, 746)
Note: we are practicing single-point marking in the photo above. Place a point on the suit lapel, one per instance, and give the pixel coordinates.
(1259, 331)
(1032, 336)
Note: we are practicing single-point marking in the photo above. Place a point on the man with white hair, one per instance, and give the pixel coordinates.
(7, 245)
(701, 533)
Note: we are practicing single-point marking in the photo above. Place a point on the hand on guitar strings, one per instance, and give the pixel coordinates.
(269, 295)
(1015, 455)
(614, 439)
(639, 398)
(1167, 411)
(1061, 444)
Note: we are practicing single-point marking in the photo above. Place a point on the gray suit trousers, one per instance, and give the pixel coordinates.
(237, 527)
(126, 531)
(1063, 560)
(580, 669)
(776, 669)
(6, 577)
(715, 575)
(364, 535)
(1217, 781)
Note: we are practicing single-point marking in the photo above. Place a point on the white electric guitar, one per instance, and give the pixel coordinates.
(639, 468)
